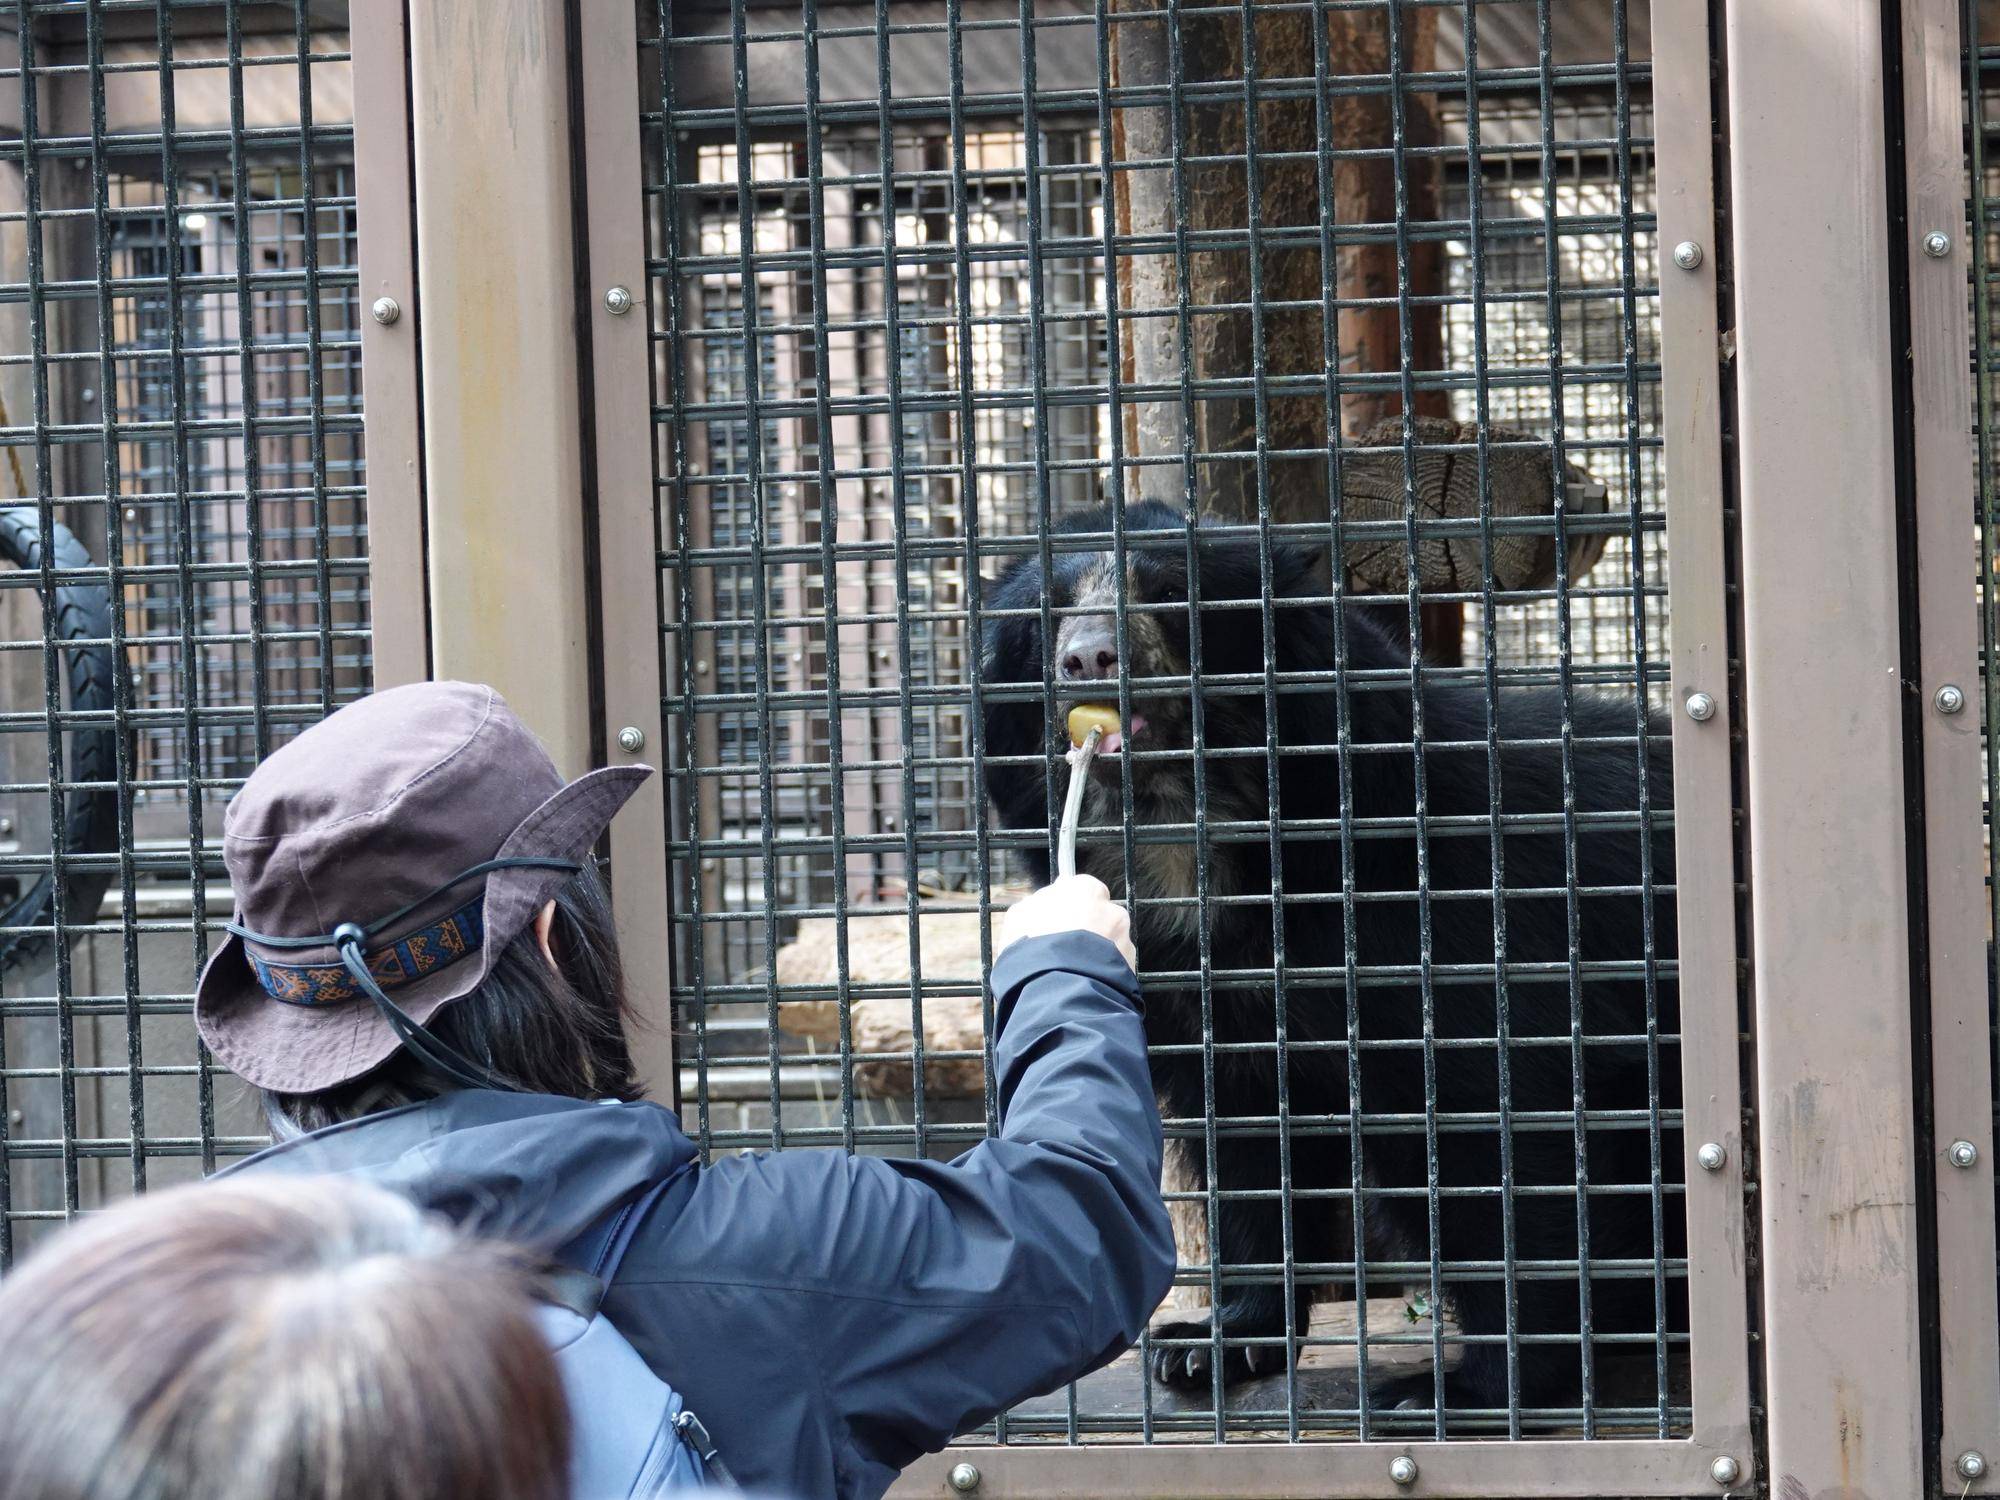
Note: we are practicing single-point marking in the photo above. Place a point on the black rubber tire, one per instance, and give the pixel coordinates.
(82, 612)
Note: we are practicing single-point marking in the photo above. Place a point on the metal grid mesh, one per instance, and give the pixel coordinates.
(900, 261)
(181, 376)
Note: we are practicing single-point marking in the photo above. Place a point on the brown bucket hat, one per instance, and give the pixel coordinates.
(370, 817)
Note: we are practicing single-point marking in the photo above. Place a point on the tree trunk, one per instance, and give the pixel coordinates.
(1222, 339)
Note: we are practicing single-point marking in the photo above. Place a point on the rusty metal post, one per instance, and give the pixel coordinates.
(503, 441)
(1824, 719)
(399, 609)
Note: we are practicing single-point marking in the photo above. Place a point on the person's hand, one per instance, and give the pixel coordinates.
(1078, 903)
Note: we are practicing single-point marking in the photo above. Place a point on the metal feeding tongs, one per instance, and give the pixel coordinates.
(1073, 807)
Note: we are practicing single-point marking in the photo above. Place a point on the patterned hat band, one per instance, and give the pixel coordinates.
(416, 956)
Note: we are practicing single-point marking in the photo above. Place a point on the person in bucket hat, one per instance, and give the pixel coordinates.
(422, 979)
(428, 817)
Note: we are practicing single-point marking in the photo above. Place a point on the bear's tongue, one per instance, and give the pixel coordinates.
(1115, 740)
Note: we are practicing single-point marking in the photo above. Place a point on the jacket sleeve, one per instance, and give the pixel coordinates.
(944, 1292)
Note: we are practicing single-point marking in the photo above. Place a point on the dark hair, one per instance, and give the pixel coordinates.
(544, 1030)
(276, 1339)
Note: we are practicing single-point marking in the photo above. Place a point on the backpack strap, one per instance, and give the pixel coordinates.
(582, 1292)
(579, 1291)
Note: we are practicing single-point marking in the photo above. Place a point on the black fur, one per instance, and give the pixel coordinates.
(1604, 760)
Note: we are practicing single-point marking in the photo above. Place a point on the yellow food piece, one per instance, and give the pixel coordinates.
(1088, 716)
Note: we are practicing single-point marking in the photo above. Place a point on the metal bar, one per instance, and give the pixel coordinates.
(892, 372)
(114, 543)
(1566, 686)
(1823, 714)
(1426, 987)
(315, 381)
(630, 603)
(1704, 807)
(187, 600)
(827, 491)
(502, 419)
(1490, 664)
(1941, 331)
(1350, 1471)
(399, 615)
(45, 487)
(755, 481)
(246, 379)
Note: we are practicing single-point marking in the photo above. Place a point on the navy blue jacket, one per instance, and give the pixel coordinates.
(832, 1317)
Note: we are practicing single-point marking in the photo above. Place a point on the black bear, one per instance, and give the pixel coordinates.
(1582, 1057)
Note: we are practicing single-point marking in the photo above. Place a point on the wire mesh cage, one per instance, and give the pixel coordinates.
(961, 312)
(181, 472)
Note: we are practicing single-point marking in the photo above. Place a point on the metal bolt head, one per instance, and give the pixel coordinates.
(1950, 698)
(1711, 1156)
(618, 301)
(1971, 1464)
(1687, 255)
(631, 739)
(1725, 1470)
(1937, 244)
(386, 310)
(1963, 1154)
(964, 1478)
(1700, 707)
(1403, 1469)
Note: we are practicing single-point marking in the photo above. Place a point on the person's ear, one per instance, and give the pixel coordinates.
(545, 926)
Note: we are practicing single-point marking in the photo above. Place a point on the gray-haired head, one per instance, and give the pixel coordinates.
(276, 1339)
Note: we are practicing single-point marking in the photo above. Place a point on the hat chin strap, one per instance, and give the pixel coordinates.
(350, 940)
(435, 1053)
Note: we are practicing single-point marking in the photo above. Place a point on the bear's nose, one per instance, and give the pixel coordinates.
(1087, 650)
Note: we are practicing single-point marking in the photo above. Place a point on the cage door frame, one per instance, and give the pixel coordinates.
(1942, 398)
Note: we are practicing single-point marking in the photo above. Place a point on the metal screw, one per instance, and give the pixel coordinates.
(1971, 1464)
(708, 867)
(1937, 244)
(964, 1478)
(1687, 255)
(6, 827)
(88, 393)
(1963, 1154)
(386, 310)
(16, 1117)
(631, 739)
(1725, 1470)
(1700, 707)
(1950, 698)
(1403, 1469)
(618, 301)
(1711, 1156)
(701, 664)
